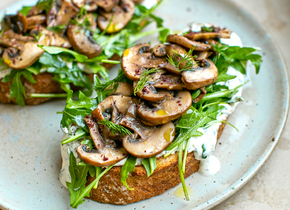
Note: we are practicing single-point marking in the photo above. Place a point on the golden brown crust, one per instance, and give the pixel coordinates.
(111, 190)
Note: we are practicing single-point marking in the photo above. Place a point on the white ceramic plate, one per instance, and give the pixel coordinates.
(30, 136)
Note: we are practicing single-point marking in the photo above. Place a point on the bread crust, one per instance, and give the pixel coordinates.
(111, 190)
(44, 84)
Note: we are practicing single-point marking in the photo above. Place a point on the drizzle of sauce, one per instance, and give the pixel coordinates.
(180, 194)
(161, 112)
(167, 134)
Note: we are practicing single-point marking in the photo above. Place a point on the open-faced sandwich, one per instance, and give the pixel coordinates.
(157, 122)
(58, 45)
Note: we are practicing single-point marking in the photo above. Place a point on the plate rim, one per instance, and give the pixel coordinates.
(253, 170)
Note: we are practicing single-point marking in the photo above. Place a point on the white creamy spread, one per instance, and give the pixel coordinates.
(4, 72)
(208, 166)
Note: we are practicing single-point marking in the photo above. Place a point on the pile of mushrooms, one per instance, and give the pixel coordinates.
(18, 44)
(152, 113)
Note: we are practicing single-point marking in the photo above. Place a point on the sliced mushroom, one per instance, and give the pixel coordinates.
(49, 38)
(89, 5)
(121, 16)
(107, 5)
(139, 58)
(147, 141)
(149, 93)
(197, 46)
(215, 33)
(202, 55)
(151, 145)
(124, 89)
(106, 153)
(61, 13)
(201, 77)
(168, 110)
(23, 58)
(101, 158)
(131, 121)
(113, 108)
(82, 40)
(17, 23)
(169, 82)
(94, 132)
(159, 50)
(11, 39)
(35, 20)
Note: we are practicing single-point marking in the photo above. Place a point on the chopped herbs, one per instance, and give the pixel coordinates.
(115, 128)
(177, 59)
(145, 79)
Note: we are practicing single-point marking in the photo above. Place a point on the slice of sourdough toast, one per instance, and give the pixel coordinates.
(111, 190)
(44, 84)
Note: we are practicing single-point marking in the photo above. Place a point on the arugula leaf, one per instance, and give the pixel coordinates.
(75, 111)
(150, 165)
(115, 128)
(57, 29)
(25, 9)
(128, 167)
(236, 57)
(77, 135)
(57, 50)
(181, 173)
(77, 187)
(45, 4)
(17, 88)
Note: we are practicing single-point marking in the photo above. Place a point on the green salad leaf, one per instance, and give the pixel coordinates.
(150, 165)
(128, 167)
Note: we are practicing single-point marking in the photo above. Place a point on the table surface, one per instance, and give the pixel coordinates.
(268, 189)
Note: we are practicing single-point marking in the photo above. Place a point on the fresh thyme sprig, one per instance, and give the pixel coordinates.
(188, 58)
(144, 79)
(115, 128)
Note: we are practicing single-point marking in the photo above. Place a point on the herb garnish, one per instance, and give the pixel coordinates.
(115, 128)
(177, 59)
(145, 79)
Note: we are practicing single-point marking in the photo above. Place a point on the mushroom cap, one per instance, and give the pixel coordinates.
(94, 132)
(17, 23)
(11, 39)
(35, 20)
(124, 89)
(149, 93)
(159, 50)
(82, 40)
(122, 15)
(203, 55)
(201, 77)
(169, 82)
(49, 38)
(168, 110)
(113, 107)
(216, 33)
(151, 145)
(21, 59)
(107, 5)
(61, 13)
(137, 59)
(105, 157)
(89, 5)
(183, 41)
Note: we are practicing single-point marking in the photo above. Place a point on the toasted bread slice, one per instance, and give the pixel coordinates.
(44, 84)
(111, 190)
